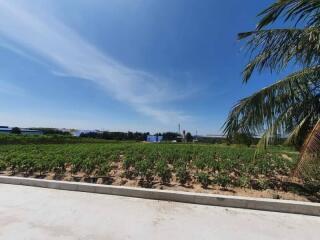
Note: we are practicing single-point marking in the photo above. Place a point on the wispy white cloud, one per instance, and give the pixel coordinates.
(45, 37)
(8, 88)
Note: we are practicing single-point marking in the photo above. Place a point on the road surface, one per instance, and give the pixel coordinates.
(38, 213)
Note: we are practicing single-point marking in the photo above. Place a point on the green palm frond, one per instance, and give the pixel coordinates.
(291, 10)
(275, 49)
(278, 127)
(278, 109)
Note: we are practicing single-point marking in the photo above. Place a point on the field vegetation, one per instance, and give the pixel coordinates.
(149, 165)
(45, 139)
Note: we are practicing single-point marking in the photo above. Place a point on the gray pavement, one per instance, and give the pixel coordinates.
(38, 213)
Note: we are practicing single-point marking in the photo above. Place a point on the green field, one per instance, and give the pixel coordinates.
(226, 166)
(6, 139)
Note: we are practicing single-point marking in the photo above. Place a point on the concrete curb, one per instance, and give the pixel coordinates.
(283, 206)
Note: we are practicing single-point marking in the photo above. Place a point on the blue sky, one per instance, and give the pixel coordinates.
(140, 65)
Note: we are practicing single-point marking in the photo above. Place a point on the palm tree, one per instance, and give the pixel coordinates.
(291, 106)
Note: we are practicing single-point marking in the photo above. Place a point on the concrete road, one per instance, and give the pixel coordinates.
(37, 213)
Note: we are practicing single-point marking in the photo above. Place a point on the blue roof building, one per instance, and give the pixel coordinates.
(154, 139)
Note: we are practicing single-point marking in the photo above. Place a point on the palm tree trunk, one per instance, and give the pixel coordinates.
(310, 150)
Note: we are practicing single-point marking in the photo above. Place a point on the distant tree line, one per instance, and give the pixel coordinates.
(248, 139)
(137, 136)
(45, 139)
(58, 136)
(52, 131)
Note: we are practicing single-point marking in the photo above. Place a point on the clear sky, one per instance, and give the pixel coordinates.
(140, 65)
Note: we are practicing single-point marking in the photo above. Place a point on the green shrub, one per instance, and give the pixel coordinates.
(182, 175)
(263, 184)
(128, 162)
(2, 166)
(243, 182)
(223, 180)
(204, 179)
(104, 169)
(311, 178)
(144, 168)
(163, 171)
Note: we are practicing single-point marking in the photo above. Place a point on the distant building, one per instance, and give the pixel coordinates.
(5, 129)
(216, 136)
(154, 139)
(25, 131)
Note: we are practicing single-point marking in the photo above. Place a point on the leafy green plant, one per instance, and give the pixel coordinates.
(144, 168)
(104, 169)
(311, 178)
(163, 171)
(263, 183)
(2, 166)
(243, 181)
(223, 180)
(148, 160)
(204, 179)
(182, 174)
